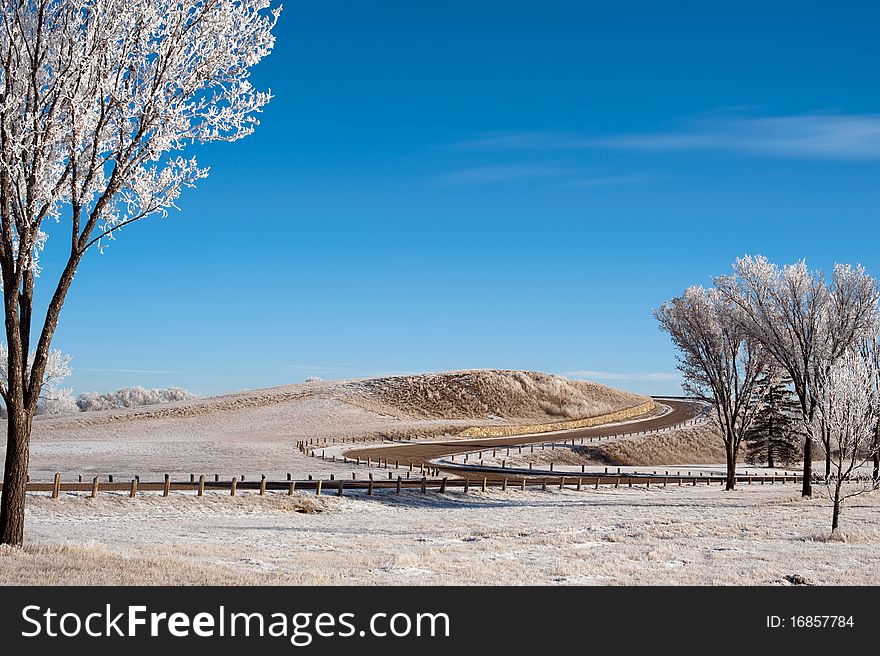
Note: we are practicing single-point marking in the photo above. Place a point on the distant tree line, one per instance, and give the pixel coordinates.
(62, 401)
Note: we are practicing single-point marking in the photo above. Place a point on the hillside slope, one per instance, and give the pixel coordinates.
(492, 394)
(256, 431)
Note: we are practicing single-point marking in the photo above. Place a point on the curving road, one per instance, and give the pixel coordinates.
(416, 454)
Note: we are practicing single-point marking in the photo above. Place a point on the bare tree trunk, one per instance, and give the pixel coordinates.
(731, 468)
(15, 476)
(807, 486)
(876, 447)
(826, 440)
(835, 515)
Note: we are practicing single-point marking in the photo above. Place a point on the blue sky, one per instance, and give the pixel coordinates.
(494, 184)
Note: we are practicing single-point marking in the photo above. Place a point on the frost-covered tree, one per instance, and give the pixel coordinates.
(53, 398)
(719, 362)
(56, 401)
(869, 349)
(848, 406)
(129, 397)
(804, 322)
(100, 102)
(775, 434)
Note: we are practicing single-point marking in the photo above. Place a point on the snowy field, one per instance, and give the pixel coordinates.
(704, 535)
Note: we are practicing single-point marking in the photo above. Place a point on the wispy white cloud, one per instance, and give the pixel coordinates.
(549, 174)
(481, 175)
(807, 136)
(130, 371)
(601, 181)
(615, 375)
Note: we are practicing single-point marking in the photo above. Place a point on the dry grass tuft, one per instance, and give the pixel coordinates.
(94, 563)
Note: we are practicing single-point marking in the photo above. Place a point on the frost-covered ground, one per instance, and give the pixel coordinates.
(703, 535)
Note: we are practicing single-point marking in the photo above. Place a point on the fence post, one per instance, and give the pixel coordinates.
(617, 482)
(263, 485)
(598, 480)
(484, 484)
(340, 488)
(543, 485)
(56, 486)
(202, 485)
(467, 484)
(318, 488)
(443, 485)
(503, 485)
(424, 485)
(234, 486)
(398, 484)
(291, 488)
(134, 488)
(370, 487)
(561, 482)
(94, 487)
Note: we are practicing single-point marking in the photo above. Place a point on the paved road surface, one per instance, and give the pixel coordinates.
(416, 454)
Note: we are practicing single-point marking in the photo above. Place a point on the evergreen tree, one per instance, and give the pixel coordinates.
(775, 433)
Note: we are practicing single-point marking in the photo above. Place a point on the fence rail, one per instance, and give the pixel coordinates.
(339, 486)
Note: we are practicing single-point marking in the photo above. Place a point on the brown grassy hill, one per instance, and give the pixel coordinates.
(490, 394)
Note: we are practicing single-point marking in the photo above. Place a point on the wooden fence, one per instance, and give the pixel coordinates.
(339, 486)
